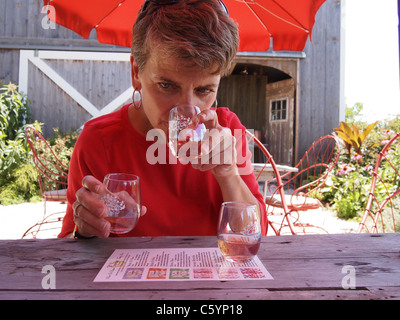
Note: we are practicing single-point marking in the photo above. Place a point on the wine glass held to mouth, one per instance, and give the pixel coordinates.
(186, 132)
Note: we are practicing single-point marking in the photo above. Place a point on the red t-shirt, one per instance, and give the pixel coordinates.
(180, 200)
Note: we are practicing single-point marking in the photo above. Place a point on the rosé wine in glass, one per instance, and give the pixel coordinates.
(185, 132)
(123, 199)
(239, 231)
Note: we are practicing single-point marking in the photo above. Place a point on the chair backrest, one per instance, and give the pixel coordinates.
(278, 185)
(52, 173)
(313, 168)
(383, 204)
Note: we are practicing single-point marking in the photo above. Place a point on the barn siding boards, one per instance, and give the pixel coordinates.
(97, 83)
(319, 82)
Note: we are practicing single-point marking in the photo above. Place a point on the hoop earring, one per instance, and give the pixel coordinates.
(137, 106)
(215, 104)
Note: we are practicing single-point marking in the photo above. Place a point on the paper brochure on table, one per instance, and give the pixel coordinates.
(177, 264)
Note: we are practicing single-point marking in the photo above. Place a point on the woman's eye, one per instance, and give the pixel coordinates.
(205, 90)
(164, 85)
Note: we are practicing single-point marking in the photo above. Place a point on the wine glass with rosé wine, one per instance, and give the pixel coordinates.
(185, 132)
(123, 198)
(239, 231)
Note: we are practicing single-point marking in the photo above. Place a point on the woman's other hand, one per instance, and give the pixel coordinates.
(218, 150)
(89, 210)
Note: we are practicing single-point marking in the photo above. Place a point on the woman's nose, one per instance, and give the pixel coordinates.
(188, 99)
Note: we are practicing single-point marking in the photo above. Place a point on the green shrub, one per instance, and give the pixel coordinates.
(21, 186)
(18, 175)
(14, 113)
(346, 209)
(63, 144)
(18, 181)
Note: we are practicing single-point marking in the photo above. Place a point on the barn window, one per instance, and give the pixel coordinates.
(278, 110)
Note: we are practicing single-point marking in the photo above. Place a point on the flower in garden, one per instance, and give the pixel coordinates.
(368, 168)
(344, 168)
(387, 153)
(389, 132)
(384, 142)
(357, 157)
(11, 87)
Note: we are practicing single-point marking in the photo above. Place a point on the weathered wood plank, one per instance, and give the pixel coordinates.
(9, 62)
(306, 267)
(202, 294)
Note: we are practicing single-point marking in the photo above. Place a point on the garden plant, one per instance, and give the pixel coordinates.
(347, 188)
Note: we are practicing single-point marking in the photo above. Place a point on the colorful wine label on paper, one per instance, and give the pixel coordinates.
(183, 264)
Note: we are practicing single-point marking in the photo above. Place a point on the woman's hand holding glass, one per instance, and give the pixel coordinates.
(123, 198)
(198, 138)
(218, 148)
(90, 210)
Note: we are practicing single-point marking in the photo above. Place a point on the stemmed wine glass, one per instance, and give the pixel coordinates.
(185, 132)
(123, 198)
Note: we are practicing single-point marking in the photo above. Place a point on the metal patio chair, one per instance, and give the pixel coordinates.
(300, 187)
(278, 191)
(52, 176)
(383, 202)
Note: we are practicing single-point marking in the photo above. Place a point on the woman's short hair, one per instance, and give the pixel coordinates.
(199, 31)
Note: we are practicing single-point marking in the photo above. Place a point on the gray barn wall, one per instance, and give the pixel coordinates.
(319, 78)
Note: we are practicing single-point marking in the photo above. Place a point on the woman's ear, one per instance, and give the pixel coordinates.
(135, 74)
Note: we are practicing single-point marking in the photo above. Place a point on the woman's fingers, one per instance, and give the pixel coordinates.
(89, 224)
(90, 183)
(218, 153)
(89, 210)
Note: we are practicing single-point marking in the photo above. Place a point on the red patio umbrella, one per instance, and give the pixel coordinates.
(287, 22)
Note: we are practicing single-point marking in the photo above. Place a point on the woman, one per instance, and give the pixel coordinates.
(180, 51)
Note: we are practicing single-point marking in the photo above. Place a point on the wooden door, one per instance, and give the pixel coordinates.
(280, 117)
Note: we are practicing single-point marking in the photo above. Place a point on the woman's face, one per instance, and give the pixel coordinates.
(166, 82)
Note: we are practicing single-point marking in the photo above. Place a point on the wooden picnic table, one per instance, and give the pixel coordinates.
(303, 267)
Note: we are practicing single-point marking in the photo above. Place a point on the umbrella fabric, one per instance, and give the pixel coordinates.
(287, 22)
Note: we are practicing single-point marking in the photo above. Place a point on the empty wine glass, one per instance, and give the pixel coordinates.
(185, 132)
(239, 231)
(123, 198)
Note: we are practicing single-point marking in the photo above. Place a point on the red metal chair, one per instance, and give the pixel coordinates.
(52, 175)
(380, 211)
(279, 192)
(299, 187)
